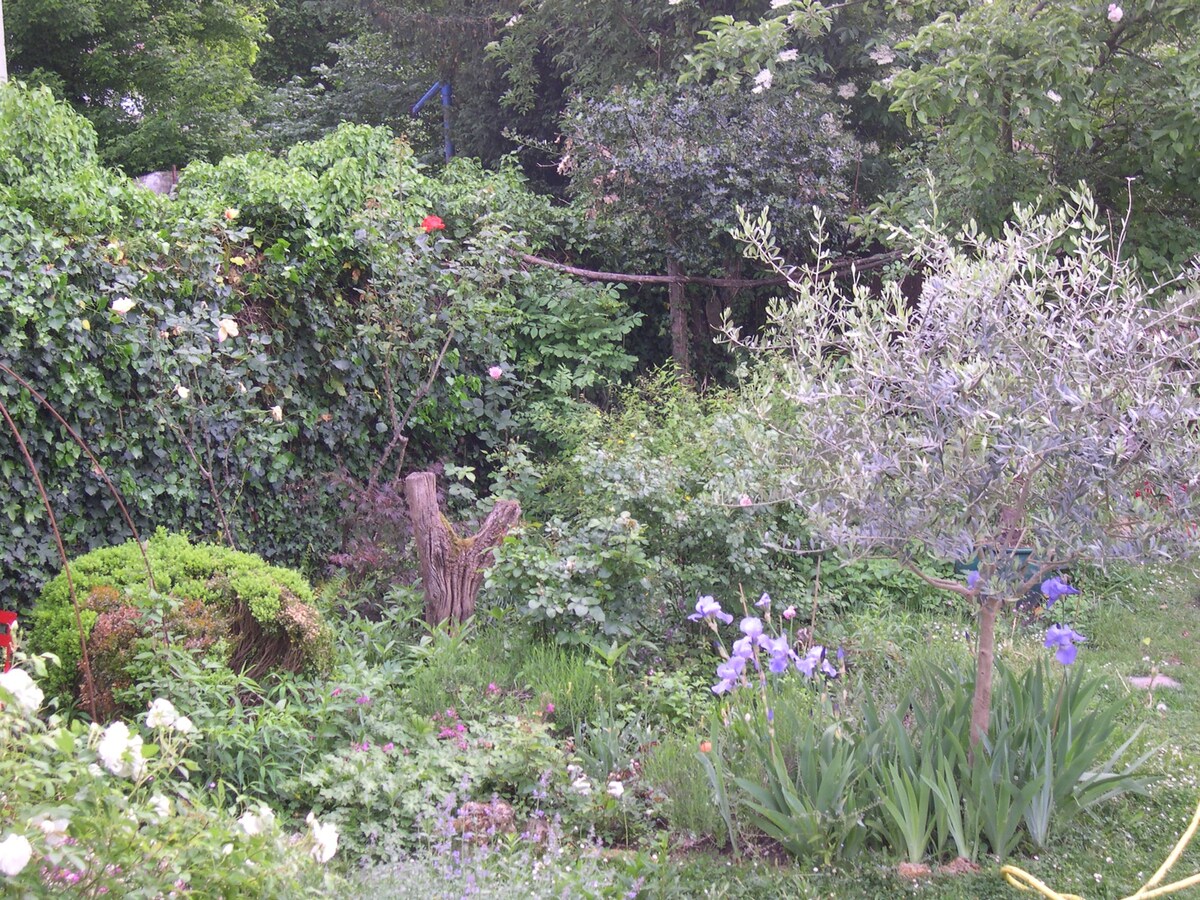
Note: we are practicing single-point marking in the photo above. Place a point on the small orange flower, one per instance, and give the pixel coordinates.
(706, 746)
(431, 224)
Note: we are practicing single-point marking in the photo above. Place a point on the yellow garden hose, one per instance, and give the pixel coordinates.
(1022, 880)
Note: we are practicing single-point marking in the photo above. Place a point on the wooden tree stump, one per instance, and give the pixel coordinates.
(451, 566)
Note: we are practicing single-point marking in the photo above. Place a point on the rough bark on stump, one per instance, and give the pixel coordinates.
(451, 566)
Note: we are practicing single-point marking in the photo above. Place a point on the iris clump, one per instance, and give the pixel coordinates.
(755, 643)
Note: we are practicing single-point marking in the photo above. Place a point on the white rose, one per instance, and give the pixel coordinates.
(257, 823)
(226, 328)
(55, 830)
(325, 839)
(161, 805)
(25, 692)
(15, 852)
(162, 714)
(184, 725)
(121, 752)
(122, 305)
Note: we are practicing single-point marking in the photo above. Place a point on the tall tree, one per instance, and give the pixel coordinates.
(1020, 98)
(163, 83)
(662, 172)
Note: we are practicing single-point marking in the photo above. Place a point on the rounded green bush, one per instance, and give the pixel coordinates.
(231, 606)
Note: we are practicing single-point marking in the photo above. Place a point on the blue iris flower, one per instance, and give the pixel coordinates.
(1054, 588)
(708, 608)
(1063, 638)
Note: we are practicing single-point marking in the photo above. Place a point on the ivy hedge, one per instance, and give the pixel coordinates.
(282, 314)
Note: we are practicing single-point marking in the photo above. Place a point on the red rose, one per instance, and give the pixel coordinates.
(432, 223)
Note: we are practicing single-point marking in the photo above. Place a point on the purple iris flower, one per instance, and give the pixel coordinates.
(1054, 588)
(731, 668)
(764, 601)
(973, 579)
(752, 628)
(808, 665)
(743, 648)
(1063, 638)
(708, 608)
(722, 687)
(781, 653)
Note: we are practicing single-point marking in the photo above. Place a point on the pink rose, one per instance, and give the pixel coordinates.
(495, 373)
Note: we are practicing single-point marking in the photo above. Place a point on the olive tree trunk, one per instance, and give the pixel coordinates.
(451, 566)
(985, 654)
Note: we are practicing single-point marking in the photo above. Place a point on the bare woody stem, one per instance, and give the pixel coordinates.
(99, 469)
(62, 552)
(451, 566)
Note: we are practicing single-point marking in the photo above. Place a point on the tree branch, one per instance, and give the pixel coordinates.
(863, 264)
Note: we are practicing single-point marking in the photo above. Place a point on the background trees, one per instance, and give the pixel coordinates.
(162, 83)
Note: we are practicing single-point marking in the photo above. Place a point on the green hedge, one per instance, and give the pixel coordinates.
(342, 302)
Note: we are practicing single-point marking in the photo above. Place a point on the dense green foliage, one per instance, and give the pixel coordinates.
(348, 315)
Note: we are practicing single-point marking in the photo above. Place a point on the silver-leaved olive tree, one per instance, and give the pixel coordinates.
(1036, 407)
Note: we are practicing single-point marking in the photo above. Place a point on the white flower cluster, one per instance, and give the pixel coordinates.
(25, 692)
(762, 81)
(164, 715)
(883, 55)
(121, 751)
(324, 837)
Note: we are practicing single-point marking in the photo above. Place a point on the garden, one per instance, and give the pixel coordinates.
(380, 520)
